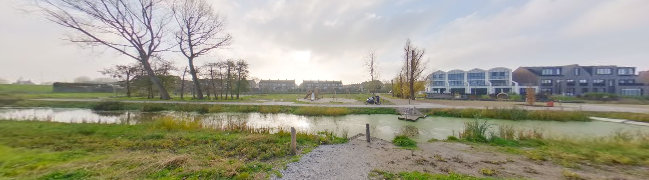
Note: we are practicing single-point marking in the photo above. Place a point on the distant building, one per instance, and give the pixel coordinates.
(474, 82)
(574, 80)
(322, 86)
(353, 88)
(24, 82)
(277, 86)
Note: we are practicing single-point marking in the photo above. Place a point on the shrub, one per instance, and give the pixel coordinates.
(153, 107)
(452, 138)
(475, 131)
(599, 96)
(109, 106)
(404, 141)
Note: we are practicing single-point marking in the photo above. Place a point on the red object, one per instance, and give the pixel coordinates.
(550, 104)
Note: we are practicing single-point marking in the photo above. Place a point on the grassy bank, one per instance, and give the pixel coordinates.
(512, 114)
(523, 114)
(206, 108)
(624, 148)
(169, 149)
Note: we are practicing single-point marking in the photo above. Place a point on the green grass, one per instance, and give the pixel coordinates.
(512, 114)
(404, 142)
(42, 91)
(623, 148)
(416, 175)
(160, 149)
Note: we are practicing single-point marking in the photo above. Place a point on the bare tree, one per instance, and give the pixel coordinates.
(222, 66)
(134, 28)
(229, 69)
(123, 72)
(370, 64)
(242, 74)
(211, 71)
(200, 31)
(413, 66)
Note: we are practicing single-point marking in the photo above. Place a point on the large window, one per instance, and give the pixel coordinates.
(546, 82)
(438, 83)
(456, 77)
(456, 83)
(604, 71)
(498, 75)
(551, 71)
(598, 82)
(626, 81)
(631, 92)
(625, 71)
(438, 76)
(476, 75)
(570, 82)
(583, 82)
(477, 83)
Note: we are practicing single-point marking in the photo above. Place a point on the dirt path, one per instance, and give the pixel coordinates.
(356, 159)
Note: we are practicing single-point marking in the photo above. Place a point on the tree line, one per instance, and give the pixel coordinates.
(143, 29)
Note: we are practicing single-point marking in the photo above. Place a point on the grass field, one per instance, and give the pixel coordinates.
(176, 150)
(623, 148)
(42, 91)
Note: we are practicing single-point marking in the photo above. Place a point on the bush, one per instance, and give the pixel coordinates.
(109, 106)
(153, 107)
(475, 131)
(404, 141)
(600, 96)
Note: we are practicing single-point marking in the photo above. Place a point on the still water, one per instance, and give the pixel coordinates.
(381, 126)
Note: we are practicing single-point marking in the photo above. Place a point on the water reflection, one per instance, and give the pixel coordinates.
(381, 126)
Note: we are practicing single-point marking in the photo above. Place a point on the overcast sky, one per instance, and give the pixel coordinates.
(328, 40)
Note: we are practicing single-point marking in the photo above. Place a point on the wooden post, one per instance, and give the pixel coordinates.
(367, 132)
(293, 141)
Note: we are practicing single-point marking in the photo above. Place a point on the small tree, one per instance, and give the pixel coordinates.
(413, 67)
(370, 64)
(125, 73)
(242, 73)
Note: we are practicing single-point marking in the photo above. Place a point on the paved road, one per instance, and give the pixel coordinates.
(401, 103)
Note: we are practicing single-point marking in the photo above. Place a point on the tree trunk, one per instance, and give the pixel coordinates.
(239, 83)
(182, 84)
(128, 84)
(197, 83)
(155, 80)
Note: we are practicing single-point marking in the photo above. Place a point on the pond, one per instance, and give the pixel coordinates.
(381, 126)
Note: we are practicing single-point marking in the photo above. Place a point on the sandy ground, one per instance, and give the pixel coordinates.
(356, 159)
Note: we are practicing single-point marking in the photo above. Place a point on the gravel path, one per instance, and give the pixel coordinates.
(356, 159)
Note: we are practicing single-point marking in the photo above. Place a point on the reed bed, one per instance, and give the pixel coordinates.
(620, 148)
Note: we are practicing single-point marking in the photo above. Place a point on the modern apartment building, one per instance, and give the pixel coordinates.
(573, 80)
(277, 86)
(474, 82)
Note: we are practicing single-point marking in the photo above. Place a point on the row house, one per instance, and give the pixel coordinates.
(574, 80)
(474, 82)
(277, 86)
